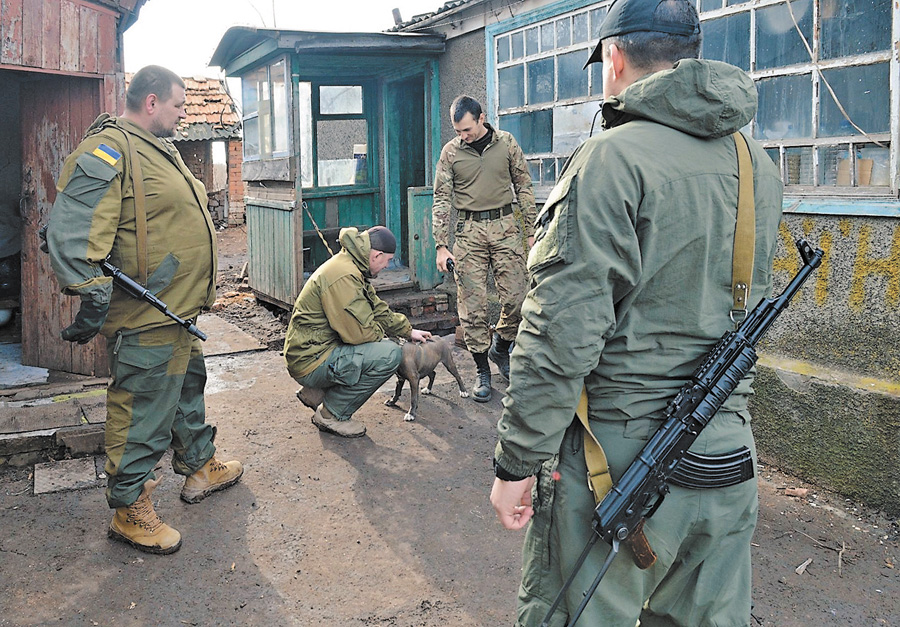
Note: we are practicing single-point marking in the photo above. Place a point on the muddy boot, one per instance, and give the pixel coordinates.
(481, 391)
(311, 397)
(499, 354)
(138, 525)
(326, 422)
(212, 477)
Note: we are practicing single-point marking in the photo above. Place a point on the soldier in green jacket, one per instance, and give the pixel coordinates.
(631, 272)
(125, 193)
(336, 344)
(483, 174)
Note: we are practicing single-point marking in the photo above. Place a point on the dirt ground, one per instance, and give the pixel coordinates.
(393, 529)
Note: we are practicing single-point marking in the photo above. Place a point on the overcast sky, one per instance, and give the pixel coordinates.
(183, 34)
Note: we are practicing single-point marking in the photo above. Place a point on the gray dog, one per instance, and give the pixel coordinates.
(419, 361)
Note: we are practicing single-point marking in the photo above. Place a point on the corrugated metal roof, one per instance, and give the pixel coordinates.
(447, 6)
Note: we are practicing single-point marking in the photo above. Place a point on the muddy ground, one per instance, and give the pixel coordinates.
(393, 529)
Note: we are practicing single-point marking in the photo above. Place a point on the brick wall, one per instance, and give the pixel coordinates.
(236, 187)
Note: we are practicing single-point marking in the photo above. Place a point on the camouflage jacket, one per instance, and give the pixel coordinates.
(468, 181)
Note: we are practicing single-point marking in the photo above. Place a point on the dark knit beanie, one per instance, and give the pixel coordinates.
(382, 239)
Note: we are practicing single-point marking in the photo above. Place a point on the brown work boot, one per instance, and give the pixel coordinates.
(325, 421)
(212, 477)
(311, 397)
(138, 525)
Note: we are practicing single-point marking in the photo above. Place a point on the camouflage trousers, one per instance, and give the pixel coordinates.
(154, 400)
(701, 537)
(481, 247)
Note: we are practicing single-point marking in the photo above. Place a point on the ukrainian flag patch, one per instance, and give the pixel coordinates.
(107, 154)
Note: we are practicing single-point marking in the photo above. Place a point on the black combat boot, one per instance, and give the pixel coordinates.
(482, 387)
(499, 354)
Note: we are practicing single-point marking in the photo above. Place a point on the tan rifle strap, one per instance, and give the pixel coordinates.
(599, 479)
(140, 210)
(744, 232)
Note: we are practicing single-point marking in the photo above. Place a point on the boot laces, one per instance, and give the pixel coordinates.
(142, 514)
(217, 466)
(484, 378)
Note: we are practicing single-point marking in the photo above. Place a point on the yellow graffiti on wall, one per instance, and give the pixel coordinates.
(864, 265)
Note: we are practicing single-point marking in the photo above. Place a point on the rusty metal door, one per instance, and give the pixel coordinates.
(56, 110)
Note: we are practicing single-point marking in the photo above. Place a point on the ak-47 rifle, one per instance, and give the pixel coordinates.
(134, 289)
(621, 514)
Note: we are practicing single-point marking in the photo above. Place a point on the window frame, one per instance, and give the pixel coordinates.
(287, 110)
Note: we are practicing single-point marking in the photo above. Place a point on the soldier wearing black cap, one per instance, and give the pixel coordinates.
(335, 345)
(631, 273)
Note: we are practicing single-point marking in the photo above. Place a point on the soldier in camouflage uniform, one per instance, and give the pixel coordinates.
(482, 174)
(126, 193)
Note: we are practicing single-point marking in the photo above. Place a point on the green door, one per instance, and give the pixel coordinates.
(423, 264)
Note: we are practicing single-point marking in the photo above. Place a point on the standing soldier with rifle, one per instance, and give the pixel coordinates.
(125, 194)
(642, 261)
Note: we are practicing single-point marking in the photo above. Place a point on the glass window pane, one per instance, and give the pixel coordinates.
(873, 165)
(834, 162)
(548, 171)
(279, 108)
(503, 49)
(777, 40)
(517, 41)
(304, 114)
(533, 130)
(563, 32)
(864, 91)
(534, 170)
(854, 27)
(540, 81)
(596, 70)
(579, 28)
(251, 137)
(730, 3)
(785, 107)
(547, 37)
(511, 86)
(532, 41)
(798, 166)
(597, 16)
(252, 86)
(340, 99)
(573, 81)
(774, 155)
(572, 125)
(341, 146)
(728, 39)
(265, 120)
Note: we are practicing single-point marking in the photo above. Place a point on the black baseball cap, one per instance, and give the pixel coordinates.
(633, 16)
(381, 239)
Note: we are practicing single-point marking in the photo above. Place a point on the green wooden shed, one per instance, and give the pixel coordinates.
(340, 129)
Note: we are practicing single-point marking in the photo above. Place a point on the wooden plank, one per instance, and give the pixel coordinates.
(32, 33)
(88, 35)
(69, 36)
(11, 29)
(107, 47)
(50, 38)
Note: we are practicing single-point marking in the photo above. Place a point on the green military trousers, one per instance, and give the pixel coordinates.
(155, 400)
(480, 248)
(701, 537)
(352, 373)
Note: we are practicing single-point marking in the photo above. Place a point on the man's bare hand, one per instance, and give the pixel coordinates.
(417, 335)
(443, 254)
(512, 502)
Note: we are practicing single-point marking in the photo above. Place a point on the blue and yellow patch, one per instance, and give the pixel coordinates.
(107, 154)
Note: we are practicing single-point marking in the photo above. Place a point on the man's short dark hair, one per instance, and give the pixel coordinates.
(152, 79)
(463, 105)
(650, 50)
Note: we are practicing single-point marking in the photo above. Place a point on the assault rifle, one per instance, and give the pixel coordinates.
(134, 289)
(640, 491)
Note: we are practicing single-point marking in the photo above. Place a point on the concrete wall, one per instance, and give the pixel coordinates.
(827, 404)
(462, 71)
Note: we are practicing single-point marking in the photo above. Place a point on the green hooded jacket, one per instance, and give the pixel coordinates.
(338, 305)
(94, 217)
(632, 265)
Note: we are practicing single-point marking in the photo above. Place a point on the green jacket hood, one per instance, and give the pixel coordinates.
(357, 246)
(703, 98)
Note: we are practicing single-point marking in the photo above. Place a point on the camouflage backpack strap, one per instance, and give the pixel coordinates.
(140, 209)
(599, 479)
(744, 232)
